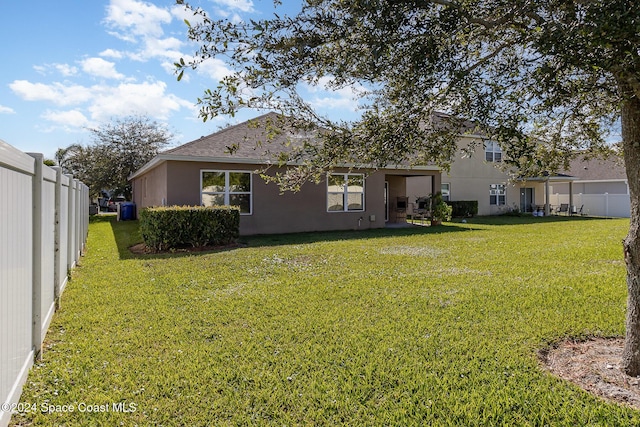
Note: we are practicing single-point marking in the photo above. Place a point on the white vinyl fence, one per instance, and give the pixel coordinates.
(606, 205)
(44, 219)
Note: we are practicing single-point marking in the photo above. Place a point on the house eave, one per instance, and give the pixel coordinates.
(596, 181)
(161, 158)
(549, 178)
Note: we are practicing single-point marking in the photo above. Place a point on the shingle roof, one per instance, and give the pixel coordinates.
(598, 169)
(263, 137)
(257, 141)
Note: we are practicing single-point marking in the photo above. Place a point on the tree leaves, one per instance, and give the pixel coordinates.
(120, 148)
(521, 71)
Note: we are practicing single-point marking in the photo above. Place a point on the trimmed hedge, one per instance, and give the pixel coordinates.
(464, 208)
(172, 227)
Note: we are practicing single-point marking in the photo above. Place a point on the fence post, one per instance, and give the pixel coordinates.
(36, 293)
(57, 273)
(71, 256)
(79, 215)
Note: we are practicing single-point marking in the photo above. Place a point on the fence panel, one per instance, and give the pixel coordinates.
(62, 221)
(44, 245)
(606, 205)
(43, 229)
(16, 276)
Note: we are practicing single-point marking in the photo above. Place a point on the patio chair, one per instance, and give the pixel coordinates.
(420, 209)
(564, 207)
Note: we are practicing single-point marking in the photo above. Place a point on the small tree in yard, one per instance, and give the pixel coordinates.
(544, 79)
(119, 149)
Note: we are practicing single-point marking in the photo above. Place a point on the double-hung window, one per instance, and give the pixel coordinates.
(345, 192)
(492, 152)
(497, 194)
(445, 190)
(226, 188)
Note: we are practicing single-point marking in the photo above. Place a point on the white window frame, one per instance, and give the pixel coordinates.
(498, 191)
(446, 194)
(226, 191)
(492, 152)
(346, 192)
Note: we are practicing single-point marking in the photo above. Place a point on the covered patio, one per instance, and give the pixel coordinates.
(403, 188)
(545, 180)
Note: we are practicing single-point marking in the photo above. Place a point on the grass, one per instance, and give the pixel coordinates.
(425, 326)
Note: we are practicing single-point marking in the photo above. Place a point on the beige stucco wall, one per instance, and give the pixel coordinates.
(420, 186)
(179, 183)
(470, 178)
(306, 210)
(151, 189)
(273, 212)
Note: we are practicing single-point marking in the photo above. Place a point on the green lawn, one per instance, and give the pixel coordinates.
(424, 326)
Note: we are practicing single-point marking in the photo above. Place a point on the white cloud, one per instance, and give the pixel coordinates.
(182, 14)
(72, 118)
(112, 53)
(214, 68)
(241, 5)
(170, 68)
(164, 48)
(325, 97)
(147, 98)
(101, 102)
(141, 24)
(131, 19)
(6, 110)
(65, 69)
(57, 93)
(328, 102)
(100, 68)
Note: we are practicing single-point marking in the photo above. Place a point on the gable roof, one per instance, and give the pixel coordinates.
(257, 141)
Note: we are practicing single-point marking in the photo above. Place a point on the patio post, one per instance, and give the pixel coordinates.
(547, 211)
(570, 197)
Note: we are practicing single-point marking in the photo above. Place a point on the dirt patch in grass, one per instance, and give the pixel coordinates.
(142, 249)
(594, 365)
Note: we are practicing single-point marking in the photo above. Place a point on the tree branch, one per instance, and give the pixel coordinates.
(486, 23)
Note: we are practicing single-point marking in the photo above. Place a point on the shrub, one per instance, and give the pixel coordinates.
(176, 226)
(464, 208)
(440, 211)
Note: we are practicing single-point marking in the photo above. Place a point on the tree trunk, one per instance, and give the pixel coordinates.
(631, 244)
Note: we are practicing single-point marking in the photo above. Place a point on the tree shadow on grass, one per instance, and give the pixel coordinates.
(332, 236)
(525, 219)
(127, 235)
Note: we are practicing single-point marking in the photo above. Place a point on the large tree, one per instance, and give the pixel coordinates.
(119, 148)
(546, 79)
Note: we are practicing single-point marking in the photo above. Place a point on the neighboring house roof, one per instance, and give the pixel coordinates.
(257, 141)
(611, 168)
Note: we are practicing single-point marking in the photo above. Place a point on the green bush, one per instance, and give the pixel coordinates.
(440, 210)
(172, 227)
(464, 208)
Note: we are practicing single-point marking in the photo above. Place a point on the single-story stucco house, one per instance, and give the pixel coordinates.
(207, 172)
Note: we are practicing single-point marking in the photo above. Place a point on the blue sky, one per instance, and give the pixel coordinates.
(71, 64)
